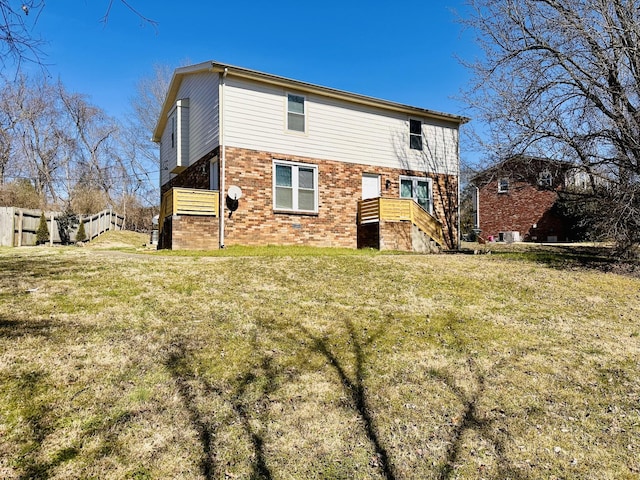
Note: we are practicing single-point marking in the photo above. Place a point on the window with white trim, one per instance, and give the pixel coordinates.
(545, 179)
(295, 187)
(295, 113)
(415, 134)
(419, 189)
(503, 185)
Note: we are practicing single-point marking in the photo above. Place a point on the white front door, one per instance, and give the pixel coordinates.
(370, 186)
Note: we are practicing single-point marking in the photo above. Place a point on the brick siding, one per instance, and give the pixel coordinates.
(194, 232)
(518, 210)
(256, 223)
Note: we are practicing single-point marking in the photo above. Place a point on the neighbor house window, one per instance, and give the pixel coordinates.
(295, 113)
(545, 179)
(503, 185)
(415, 134)
(295, 187)
(419, 189)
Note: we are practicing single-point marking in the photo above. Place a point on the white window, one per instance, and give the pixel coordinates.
(415, 134)
(295, 113)
(503, 185)
(545, 179)
(419, 189)
(295, 187)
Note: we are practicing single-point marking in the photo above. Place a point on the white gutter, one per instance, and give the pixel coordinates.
(222, 198)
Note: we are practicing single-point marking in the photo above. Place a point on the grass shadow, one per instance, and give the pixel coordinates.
(564, 256)
(472, 420)
(355, 389)
(37, 414)
(14, 329)
(180, 366)
(242, 410)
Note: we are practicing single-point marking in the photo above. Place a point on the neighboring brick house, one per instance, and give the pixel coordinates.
(516, 200)
(303, 157)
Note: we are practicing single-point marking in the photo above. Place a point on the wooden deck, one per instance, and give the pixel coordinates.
(188, 201)
(399, 210)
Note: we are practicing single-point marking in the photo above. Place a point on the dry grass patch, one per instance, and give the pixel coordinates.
(315, 366)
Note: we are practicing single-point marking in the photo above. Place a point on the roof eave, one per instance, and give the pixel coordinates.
(292, 84)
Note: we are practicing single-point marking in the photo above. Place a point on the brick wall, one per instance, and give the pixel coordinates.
(196, 176)
(396, 236)
(256, 223)
(519, 209)
(340, 189)
(194, 232)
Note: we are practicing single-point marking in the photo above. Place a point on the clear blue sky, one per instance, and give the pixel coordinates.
(401, 50)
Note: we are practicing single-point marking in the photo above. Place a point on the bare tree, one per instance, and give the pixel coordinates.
(45, 144)
(436, 158)
(19, 43)
(561, 79)
(16, 38)
(142, 153)
(11, 107)
(93, 132)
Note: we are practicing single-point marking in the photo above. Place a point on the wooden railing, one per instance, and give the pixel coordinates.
(398, 210)
(19, 226)
(188, 201)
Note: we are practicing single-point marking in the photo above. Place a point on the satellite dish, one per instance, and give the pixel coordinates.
(234, 193)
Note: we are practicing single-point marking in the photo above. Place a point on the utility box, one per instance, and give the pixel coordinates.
(509, 237)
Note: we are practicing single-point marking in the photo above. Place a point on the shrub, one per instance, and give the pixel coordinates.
(81, 235)
(42, 234)
(66, 222)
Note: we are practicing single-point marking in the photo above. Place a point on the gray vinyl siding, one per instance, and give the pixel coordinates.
(183, 132)
(168, 154)
(199, 123)
(202, 91)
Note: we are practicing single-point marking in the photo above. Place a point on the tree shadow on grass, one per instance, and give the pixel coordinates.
(39, 419)
(177, 363)
(182, 371)
(356, 390)
(14, 329)
(472, 420)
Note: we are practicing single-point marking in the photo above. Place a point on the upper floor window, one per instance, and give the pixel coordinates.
(545, 179)
(503, 185)
(295, 187)
(295, 112)
(415, 134)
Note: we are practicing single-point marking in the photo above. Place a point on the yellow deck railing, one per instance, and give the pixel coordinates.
(188, 201)
(398, 210)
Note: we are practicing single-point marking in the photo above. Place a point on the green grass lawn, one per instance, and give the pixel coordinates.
(302, 363)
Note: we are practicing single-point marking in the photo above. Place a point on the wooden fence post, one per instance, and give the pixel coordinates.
(51, 232)
(20, 221)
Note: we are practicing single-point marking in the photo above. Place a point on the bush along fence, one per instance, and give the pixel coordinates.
(19, 226)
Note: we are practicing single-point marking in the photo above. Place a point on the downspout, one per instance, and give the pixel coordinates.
(222, 155)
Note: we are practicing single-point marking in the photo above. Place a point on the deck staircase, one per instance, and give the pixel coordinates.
(375, 210)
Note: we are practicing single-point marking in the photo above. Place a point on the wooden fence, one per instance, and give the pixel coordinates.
(18, 226)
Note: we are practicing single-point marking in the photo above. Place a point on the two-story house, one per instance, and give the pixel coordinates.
(250, 158)
(517, 200)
